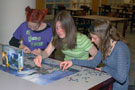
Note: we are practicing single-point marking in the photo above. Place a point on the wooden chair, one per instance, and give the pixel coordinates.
(85, 10)
(82, 25)
(123, 13)
(106, 10)
(61, 7)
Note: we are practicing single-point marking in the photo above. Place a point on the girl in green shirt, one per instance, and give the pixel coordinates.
(66, 38)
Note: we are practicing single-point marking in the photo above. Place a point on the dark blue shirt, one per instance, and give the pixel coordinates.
(117, 65)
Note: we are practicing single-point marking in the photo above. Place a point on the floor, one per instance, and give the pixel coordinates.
(131, 39)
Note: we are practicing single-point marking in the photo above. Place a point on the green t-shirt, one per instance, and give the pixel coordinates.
(81, 50)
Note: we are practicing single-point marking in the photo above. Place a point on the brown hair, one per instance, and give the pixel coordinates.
(35, 15)
(67, 24)
(105, 31)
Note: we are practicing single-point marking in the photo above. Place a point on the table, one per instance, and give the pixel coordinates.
(111, 19)
(117, 9)
(74, 11)
(85, 79)
(111, 9)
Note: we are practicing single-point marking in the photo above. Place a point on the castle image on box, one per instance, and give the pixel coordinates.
(12, 57)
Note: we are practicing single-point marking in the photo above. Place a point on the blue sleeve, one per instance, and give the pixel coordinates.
(120, 73)
(18, 33)
(89, 63)
(50, 35)
(50, 31)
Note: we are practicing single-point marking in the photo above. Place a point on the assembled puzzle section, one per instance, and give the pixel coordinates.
(12, 57)
(47, 67)
(48, 73)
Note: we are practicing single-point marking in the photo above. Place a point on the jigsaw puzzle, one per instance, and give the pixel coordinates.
(48, 73)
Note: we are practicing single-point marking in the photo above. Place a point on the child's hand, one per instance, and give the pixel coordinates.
(26, 50)
(99, 69)
(36, 51)
(38, 61)
(65, 65)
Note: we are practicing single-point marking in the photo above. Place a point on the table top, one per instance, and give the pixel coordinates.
(120, 8)
(85, 79)
(74, 9)
(93, 17)
(112, 7)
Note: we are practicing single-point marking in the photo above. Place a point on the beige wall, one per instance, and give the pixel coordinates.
(12, 14)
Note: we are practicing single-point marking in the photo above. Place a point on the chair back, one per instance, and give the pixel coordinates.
(61, 7)
(106, 10)
(85, 10)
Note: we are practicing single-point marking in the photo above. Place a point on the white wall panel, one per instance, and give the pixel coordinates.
(12, 14)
